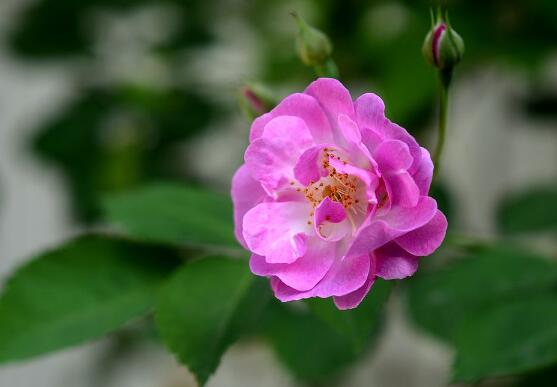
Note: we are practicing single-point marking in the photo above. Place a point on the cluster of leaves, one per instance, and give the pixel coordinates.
(496, 305)
(175, 259)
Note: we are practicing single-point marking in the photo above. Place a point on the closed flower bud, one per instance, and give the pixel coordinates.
(443, 47)
(256, 99)
(312, 45)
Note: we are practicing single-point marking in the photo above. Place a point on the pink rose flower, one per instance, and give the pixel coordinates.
(333, 195)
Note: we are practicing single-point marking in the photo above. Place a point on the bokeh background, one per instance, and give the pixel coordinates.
(100, 96)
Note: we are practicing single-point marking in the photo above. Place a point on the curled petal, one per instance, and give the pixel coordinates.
(305, 272)
(402, 189)
(258, 125)
(302, 106)
(370, 111)
(308, 168)
(394, 159)
(397, 222)
(353, 299)
(246, 194)
(424, 173)
(408, 219)
(396, 132)
(334, 98)
(370, 139)
(393, 156)
(349, 129)
(277, 230)
(350, 138)
(330, 220)
(272, 157)
(393, 262)
(344, 277)
(426, 239)
(370, 114)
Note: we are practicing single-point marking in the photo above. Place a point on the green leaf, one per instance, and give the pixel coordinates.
(78, 292)
(309, 347)
(360, 325)
(508, 339)
(441, 299)
(531, 211)
(174, 214)
(205, 307)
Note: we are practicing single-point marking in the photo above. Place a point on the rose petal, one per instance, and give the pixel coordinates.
(424, 173)
(351, 140)
(408, 219)
(302, 106)
(277, 230)
(344, 277)
(393, 156)
(353, 299)
(246, 194)
(334, 98)
(330, 221)
(393, 159)
(303, 274)
(272, 157)
(370, 113)
(393, 262)
(349, 129)
(308, 168)
(402, 189)
(426, 239)
(371, 139)
(397, 222)
(258, 125)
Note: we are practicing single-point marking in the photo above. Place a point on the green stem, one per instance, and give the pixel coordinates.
(445, 80)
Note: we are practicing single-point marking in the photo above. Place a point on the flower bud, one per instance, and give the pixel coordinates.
(443, 47)
(312, 45)
(256, 99)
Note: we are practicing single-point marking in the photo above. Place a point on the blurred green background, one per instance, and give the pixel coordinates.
(124, 93)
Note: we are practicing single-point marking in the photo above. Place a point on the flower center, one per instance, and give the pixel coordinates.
(339, 187)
